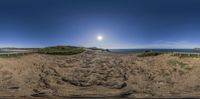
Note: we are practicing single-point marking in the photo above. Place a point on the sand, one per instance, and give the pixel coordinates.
(99, 74)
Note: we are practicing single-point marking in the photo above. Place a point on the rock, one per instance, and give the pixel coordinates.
(14, 88)
(39, 95)
(119, 85)
(126, 93)
(78, 82)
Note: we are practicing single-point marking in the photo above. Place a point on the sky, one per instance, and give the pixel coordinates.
(121, 23)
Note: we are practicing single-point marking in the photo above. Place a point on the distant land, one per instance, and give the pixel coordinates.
(196, 48)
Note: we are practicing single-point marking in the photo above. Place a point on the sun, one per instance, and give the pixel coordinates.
(99, 38)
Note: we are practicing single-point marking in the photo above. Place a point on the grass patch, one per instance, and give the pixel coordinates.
(187, 56)
(57, 50)
(13, 55)
(172, 62)
(179, 67)
(183, 65)
(146, 54)
(175, 63)
(61, 50)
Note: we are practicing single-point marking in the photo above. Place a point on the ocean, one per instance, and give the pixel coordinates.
(153, 50)
(4, 51)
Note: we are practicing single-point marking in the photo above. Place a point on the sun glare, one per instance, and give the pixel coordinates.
(99, 38)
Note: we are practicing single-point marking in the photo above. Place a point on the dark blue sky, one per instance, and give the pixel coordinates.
(122, 23)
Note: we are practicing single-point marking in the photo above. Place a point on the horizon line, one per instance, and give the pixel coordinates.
(102, 47)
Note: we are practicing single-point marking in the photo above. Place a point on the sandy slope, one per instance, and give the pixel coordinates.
(99, 74)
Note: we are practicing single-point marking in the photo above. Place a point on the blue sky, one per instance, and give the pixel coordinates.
(122, 23)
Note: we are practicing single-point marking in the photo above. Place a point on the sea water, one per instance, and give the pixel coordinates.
(6, 51)
(153, 50)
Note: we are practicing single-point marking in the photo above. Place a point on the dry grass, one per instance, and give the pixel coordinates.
(97, 74)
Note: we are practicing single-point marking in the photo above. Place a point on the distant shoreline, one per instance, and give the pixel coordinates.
(135, 50)
(153, 50)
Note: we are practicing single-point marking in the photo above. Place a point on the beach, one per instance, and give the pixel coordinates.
(96, 73)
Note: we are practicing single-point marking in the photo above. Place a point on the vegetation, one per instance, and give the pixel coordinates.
(187, 55)
(196, 48)
(146, 54)
(56, 50)
(13, 55)
(180, 67)
(175, 63)
(61, 50)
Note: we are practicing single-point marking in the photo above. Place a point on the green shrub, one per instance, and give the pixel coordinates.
(61, 50)
(13, 55)
(57, 50)
(146, 54)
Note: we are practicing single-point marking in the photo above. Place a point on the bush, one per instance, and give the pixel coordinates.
(57, 50)
(13, 55)
(61, 50)
(146, 54)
